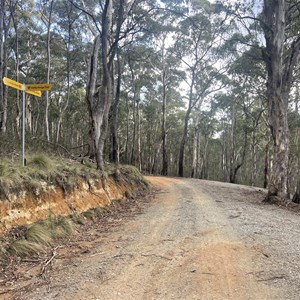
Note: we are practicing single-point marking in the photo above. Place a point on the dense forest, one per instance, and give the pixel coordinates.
(191, 88)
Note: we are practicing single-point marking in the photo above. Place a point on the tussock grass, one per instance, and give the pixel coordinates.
(2, 169)
(40, 161)
(41, 235)
(42, 168)
(90, 213)
(24, 247)
(77, 219)
(63, 227)
(95, 213)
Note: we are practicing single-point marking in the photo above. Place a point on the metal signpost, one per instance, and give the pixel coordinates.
(32, 89)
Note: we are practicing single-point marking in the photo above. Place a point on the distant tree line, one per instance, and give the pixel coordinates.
(191, 88)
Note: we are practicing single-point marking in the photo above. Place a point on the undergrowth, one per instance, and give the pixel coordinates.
(38, 237)
(42, 169)
(41, 235)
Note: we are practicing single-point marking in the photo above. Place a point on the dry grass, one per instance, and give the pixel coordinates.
(40, 161)
(41, 168)
(24, 247)
(41, 235)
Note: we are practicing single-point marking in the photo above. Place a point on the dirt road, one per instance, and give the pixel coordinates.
(195, 240)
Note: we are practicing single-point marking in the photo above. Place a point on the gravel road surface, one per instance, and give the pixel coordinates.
(195, 240)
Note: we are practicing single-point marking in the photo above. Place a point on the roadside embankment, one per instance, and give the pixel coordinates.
(59, 187)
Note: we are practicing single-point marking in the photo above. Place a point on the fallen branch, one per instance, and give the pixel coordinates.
(80, 146)
(53, 144)
(47, 262)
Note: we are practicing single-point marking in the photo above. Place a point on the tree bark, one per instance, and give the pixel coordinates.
(66, 104)
(114, 119)
(49, 23)
(105, 95)
(195, 153)
(2, 104)
(185, 129)
(94, 132)
(183, 142)
(164, 170)
(280, 62)
(204, 169)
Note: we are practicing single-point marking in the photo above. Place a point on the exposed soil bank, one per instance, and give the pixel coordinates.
(195, 240)
(30, 205)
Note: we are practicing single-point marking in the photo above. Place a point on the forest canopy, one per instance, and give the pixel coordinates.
(196, 88)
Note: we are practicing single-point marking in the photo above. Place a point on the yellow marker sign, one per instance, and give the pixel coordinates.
(33, 89)
(15, 84)
(35, 93)
(38, 87)
(19, 86)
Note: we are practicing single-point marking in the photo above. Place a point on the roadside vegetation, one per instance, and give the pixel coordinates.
(40, 237)
(42, 169)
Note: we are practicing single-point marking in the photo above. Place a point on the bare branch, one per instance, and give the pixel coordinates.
(88, 14)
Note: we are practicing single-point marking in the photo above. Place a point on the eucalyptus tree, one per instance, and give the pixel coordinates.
(279, 23)
(107, 23)
(198, 43)
(248, 78)
(46, 17)
(281, 29)
(3, 67)
(165, 64)
(69, 31)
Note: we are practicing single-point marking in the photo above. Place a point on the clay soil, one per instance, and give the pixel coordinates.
(193, 240)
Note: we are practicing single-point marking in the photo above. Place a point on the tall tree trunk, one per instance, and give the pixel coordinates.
(17, 62)
(139, 154)
(266, 167)
(183, 142)
(66, 104)
(114, 114)
(4, 28)
(94, 132)
(232, 175)
(280, 62)
(2, 66)
(132, 156)
(195, 154)
(105, 95)
(185, 128)
(164, 80)
(49, 23)
(204, 169)
(127, 151)
(164, 170)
